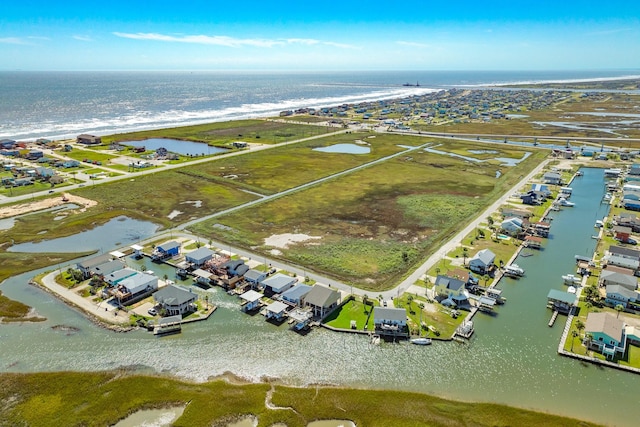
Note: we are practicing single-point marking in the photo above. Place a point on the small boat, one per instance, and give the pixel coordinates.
(564, 202)
(513, 270)
(572, 289)
(421, 341)
(570, 279)
(599, 223)
(579, 173)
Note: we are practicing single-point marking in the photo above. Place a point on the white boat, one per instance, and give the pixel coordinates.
(579, 173)
(599, 223)
(513, 270)
(570, 279)
(572, 289)
(564, 202)
(421, 341)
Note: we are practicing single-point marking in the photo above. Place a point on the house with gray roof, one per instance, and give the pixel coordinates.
(389, 316)
(607, 332)
(134, 288)
(88, 265)
(199, 256)
(254, 277)
(321, 299)
(622, 262)
(175, 300)
(117, 276)
(624, 252)
(482, 261)
(618, 294)
(608, 277)
(295, 294)
(278, 283)
(108, 267)
(449, 290)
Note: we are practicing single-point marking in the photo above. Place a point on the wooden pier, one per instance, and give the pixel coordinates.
(553, 318)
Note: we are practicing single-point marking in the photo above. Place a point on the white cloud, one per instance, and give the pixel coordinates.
(227, 41)
(13, 40)
(200, 39)
(83, 38)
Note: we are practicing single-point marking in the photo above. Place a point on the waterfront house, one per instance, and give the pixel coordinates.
(607, 332)
(542, 189)
(254, 277)
(278, 283)
(295, 294)
(512, 226)
(553, 178)
(321, 299)
(87, 139)
(389, 319)
(236, 267)
(563, 302)
(7, 144)
(610, 277)
(135, 287)
(251, 300)
(618, 294)
(622, 262)
(166, 250)
(88, 265)
(633, 205)
(276, 311)
(532, 198)
(108, 267)
(450, 291)
(628, 220)
(621, 233)
(202, 277)
(482, 261)
(516, 213)
(175, 300)
(624, 252)
(199, 256)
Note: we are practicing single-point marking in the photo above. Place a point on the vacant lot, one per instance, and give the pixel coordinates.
(378, 223)
(281, 168)
(224, 133)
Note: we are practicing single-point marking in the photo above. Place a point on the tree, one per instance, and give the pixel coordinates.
(465, 254)
(619, 308)
(410, 300)
(365, 300)
(574, 334)
(490, 220)
(486, 279)
(588, 305)
(580, 325)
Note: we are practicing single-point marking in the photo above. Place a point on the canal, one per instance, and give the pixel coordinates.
(511, 359)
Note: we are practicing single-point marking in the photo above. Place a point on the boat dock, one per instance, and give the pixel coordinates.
(553, 318)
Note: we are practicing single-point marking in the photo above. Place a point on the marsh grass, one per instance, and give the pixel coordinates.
(103, 398)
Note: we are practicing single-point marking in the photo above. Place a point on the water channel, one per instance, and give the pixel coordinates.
(511, 359)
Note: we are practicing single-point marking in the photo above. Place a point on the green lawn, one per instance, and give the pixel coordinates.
(80, 155)
(354, 309)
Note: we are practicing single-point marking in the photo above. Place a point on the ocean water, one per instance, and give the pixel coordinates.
(64, 104)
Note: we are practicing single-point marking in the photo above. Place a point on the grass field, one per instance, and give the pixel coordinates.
(103, 398)
(285, 167)
(377, 223)
(225, 133)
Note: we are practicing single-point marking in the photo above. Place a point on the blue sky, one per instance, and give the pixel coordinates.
(319, 35)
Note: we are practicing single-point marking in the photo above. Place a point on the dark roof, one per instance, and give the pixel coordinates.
(626, 252)
(173, 295)
(449, 282)
(321, 296)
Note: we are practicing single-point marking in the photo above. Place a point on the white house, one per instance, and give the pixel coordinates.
(482, 261)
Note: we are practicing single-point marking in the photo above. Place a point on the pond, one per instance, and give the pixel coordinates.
(152, 417)
(177, 146)
(504, 161)
(118, 231)
(344, 149)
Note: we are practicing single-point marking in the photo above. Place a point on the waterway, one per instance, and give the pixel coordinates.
(511, 358)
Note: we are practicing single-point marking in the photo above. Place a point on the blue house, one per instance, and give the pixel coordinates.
(7, 143)
(166, 250)
(607, 332)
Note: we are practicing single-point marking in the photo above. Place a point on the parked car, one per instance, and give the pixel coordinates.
(152, 311)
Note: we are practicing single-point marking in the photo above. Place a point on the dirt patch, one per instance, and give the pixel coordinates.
(23, 208)
(282, 241)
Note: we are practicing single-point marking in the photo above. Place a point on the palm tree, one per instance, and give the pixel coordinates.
(486, 279)
(574, 334)
(588, 305)
(619, 308)
(410, 300)
(579, 325)
(465, 253)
